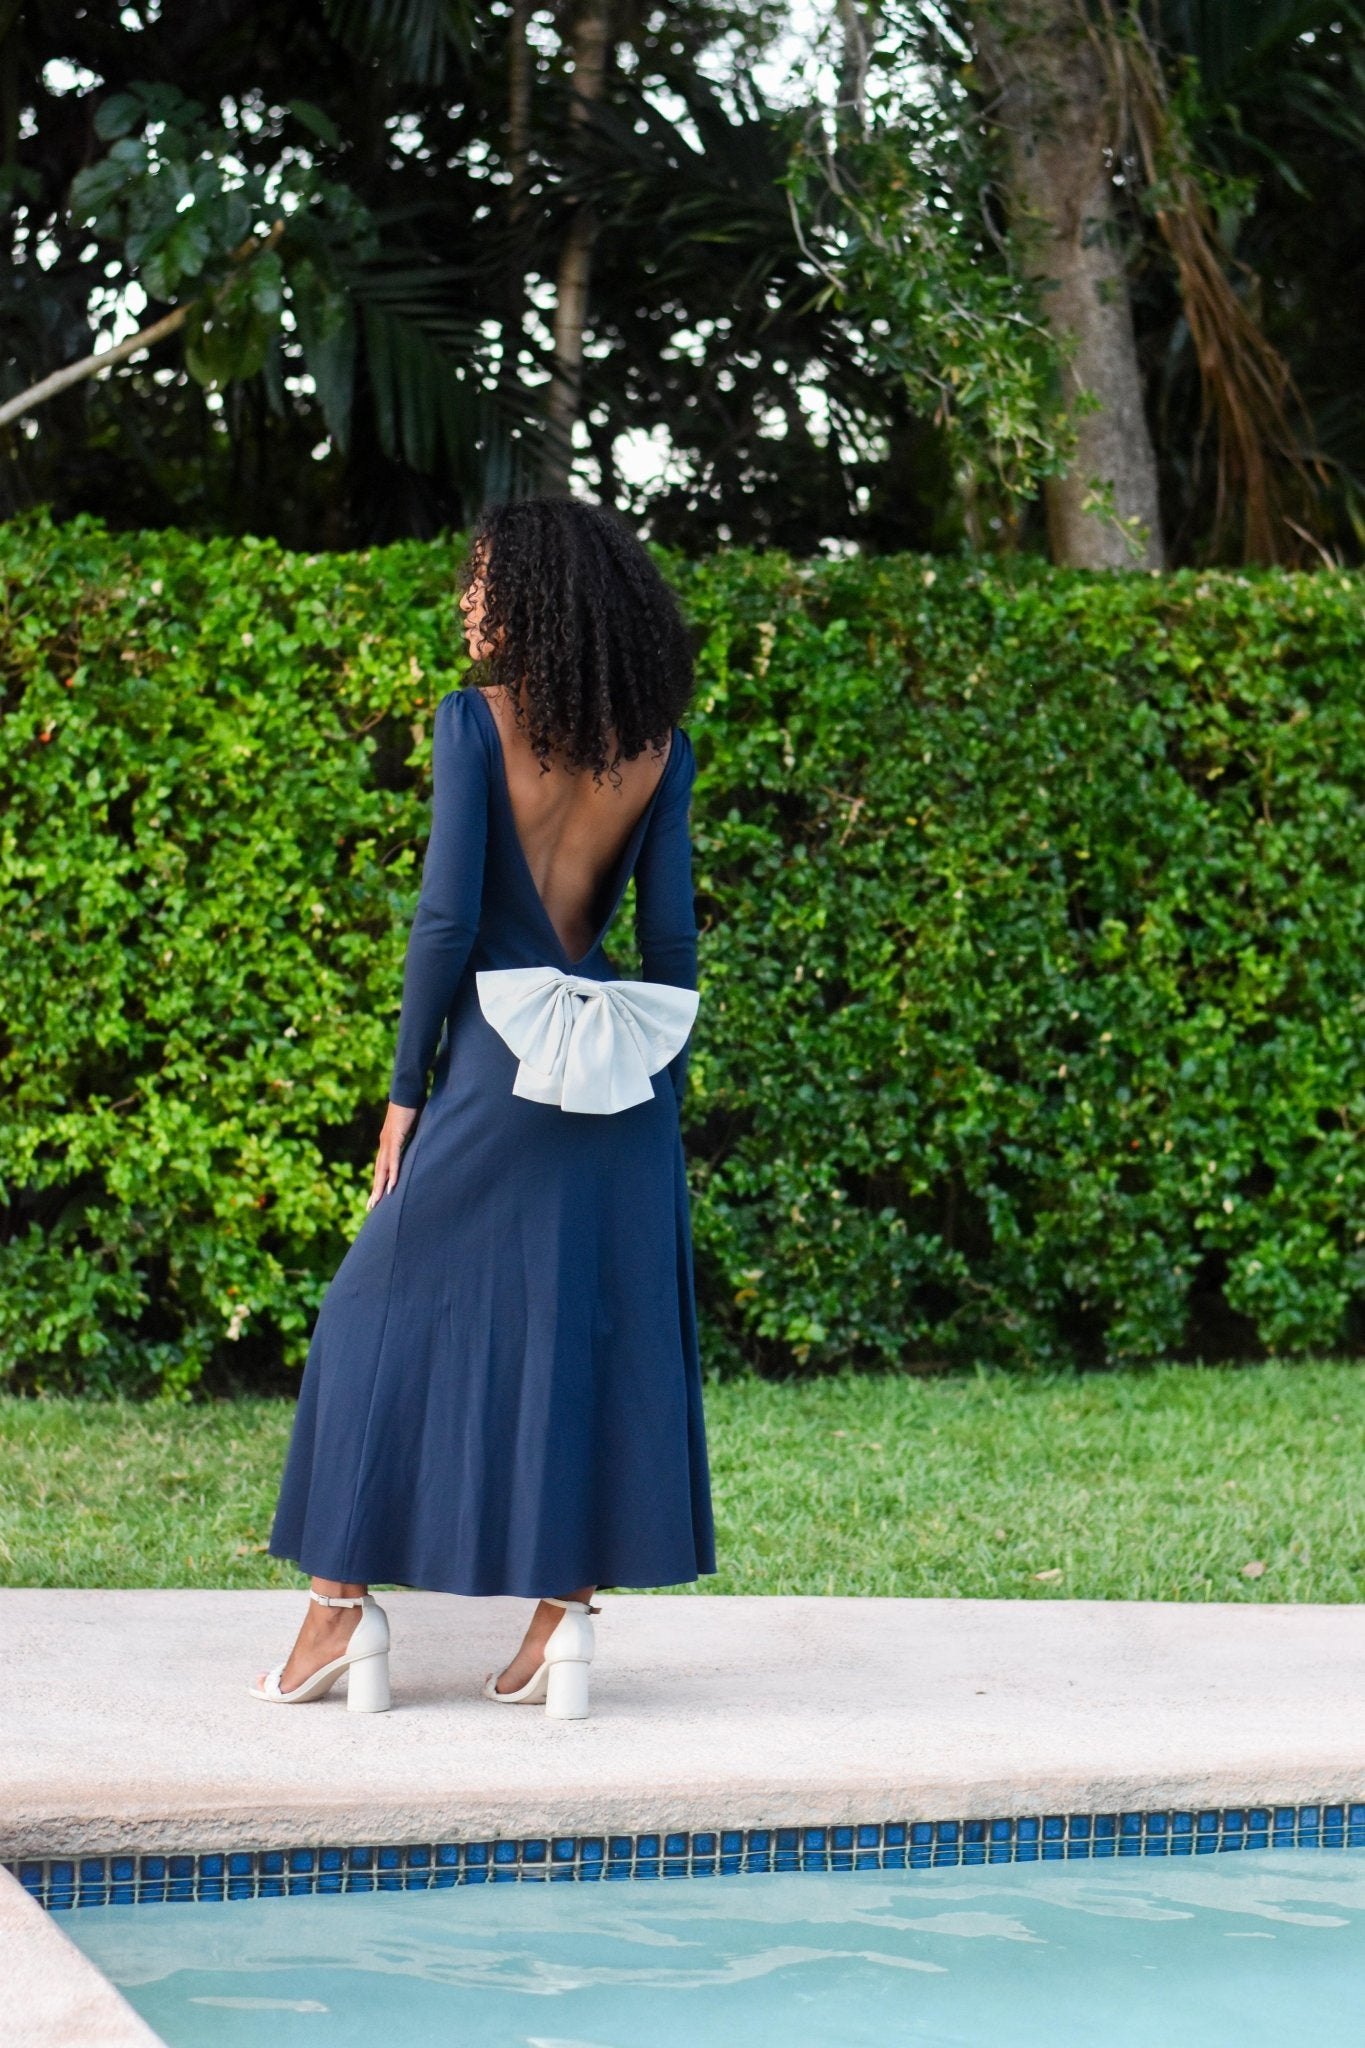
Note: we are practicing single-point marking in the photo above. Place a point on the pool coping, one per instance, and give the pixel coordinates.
(65, 2000)
(709, 1713)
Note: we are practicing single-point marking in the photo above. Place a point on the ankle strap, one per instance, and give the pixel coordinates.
(342, 1600)
(577, 1606)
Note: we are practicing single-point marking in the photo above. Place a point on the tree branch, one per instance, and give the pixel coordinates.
(146, 337)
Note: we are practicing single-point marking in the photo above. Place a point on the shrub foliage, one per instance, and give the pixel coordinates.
(1033, 912)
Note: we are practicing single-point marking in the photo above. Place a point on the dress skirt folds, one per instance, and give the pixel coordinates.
(503, 1390)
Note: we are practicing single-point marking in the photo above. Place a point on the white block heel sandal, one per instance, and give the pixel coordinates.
(366, 1664)
(561, 1683)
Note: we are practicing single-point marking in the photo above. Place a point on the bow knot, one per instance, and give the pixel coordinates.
(585, 1045)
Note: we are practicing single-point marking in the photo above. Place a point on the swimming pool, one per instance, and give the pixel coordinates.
(1222, 1951)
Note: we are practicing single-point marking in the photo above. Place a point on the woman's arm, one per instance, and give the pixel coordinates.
(447, 918)
(665, 913)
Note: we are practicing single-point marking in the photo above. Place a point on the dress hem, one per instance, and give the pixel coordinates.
(484, 1591)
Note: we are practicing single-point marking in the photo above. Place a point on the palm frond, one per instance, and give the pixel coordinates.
(438, 401)
(417, 40)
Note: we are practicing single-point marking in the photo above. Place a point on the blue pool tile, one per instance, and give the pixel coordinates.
(1002, 1830)
(1054, 1827)
(812, 1838)
(867, 1859)
(31, 1877)
(447, 1855)
(533, 1852)
(974, 1831)
(271, 1863)
(703, 1845)
(213, 1866)
(1026, 1830)
(1078, 1826)
(732, 1841)
(869, 1838)
(921, 1831)
(299, 1860)
(590, 1849)
(894, 1834)
(360, 1859)
(787, 1838)
(946, 1831)
(562, 1849)
(841, 1838)
(504, 1852)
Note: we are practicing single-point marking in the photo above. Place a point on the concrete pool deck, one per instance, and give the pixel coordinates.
(125, 1723)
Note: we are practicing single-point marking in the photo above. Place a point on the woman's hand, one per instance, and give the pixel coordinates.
(397, 1124)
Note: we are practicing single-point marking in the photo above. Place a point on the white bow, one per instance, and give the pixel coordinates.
(584, 1044)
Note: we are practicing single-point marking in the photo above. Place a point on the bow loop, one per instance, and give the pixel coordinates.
(585, 1045)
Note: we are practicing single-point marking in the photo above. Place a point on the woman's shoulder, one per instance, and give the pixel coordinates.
(459, 737)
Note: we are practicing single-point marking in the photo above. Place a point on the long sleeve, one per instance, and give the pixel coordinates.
(446, 923)
(665, 911)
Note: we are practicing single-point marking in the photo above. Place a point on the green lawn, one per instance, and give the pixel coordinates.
(1161, 1485)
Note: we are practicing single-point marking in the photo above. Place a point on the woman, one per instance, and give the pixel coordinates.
(503, 1390)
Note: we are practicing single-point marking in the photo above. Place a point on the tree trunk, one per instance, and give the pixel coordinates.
(591, 42)
(519, 168)
(1059, 130)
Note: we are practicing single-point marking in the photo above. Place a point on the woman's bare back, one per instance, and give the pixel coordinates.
(572, 828)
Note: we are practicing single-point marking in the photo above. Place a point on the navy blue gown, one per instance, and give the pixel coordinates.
(503, 1389)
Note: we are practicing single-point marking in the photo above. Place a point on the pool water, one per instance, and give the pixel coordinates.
(1234, 1951)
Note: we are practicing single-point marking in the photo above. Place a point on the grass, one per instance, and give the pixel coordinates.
(1180, 1483)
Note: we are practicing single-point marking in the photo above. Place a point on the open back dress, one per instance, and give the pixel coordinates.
(503, 1389)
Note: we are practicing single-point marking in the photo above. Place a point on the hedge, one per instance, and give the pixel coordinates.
(1033, 910)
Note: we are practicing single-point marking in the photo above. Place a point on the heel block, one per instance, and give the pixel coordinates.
(367, 1685)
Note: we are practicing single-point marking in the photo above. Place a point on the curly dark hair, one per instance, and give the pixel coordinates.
(587, 637)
